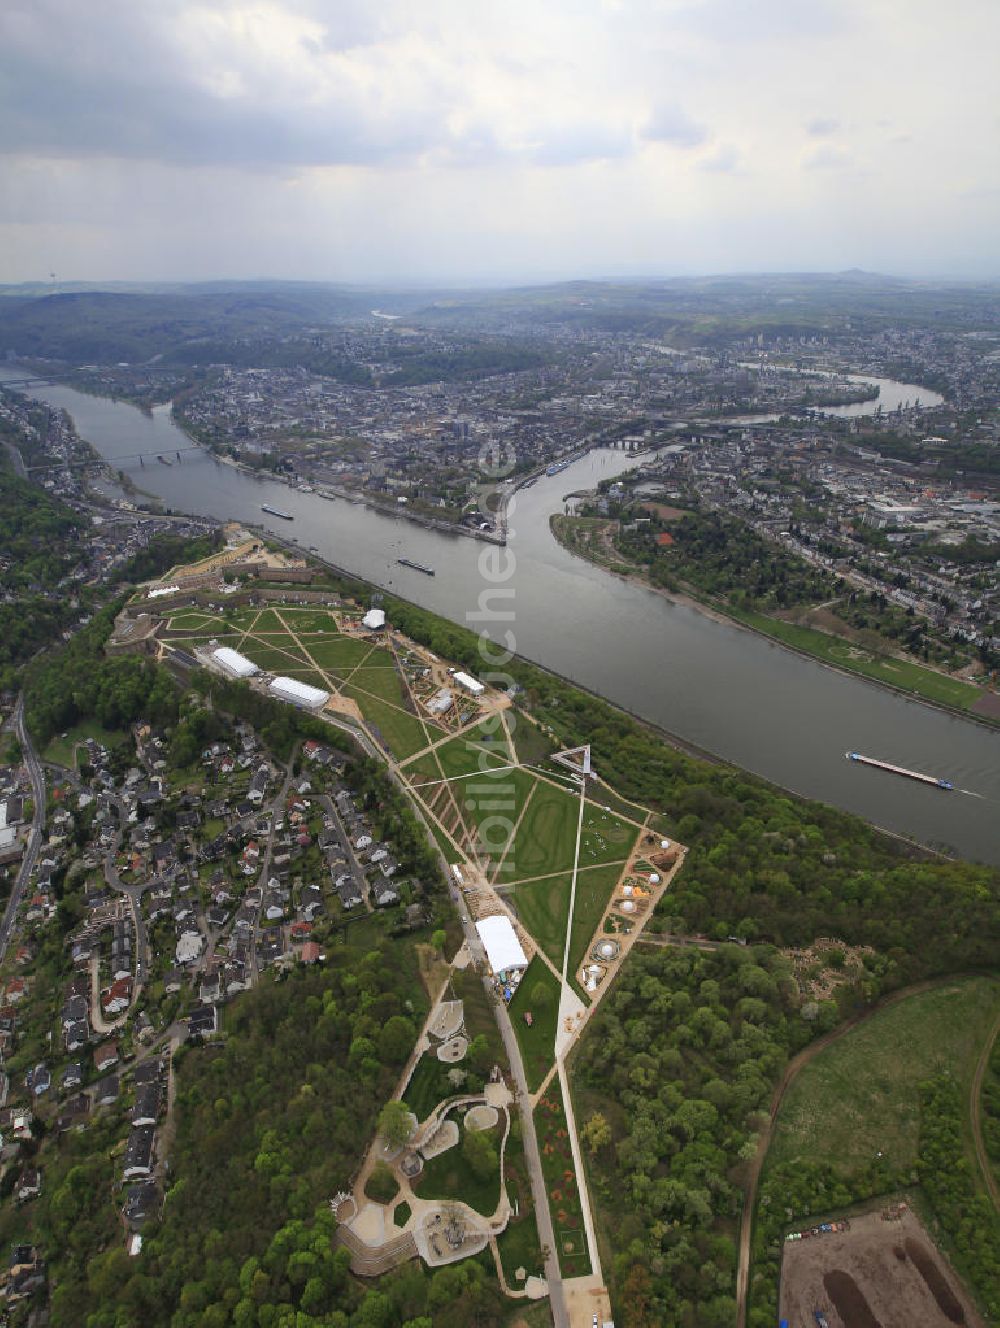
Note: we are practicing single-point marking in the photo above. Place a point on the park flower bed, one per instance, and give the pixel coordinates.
(560, 1183)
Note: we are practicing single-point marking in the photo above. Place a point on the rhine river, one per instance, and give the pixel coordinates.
(724, 689)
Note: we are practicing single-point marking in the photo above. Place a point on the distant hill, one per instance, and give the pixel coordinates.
(108, 326)
(85, 325)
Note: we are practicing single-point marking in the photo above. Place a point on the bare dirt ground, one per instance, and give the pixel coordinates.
(585, 1297)
(878, 1274)
(988, 704)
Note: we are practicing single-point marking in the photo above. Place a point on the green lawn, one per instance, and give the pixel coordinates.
(498, 798)
(401, 730)
(383, 683)
(463, 756)
(428, 1085)
(543, 907)
(379, 657)
(267, 620)
(861, 1094)
(193, 622)
(546, 837)
(910, 677)
(490, 733)
(339, 653)
(519, 1247)
(593, 890)
(448, 1176)
(538, 1042)
(278, 639)
(273, 659)
(451, 853)
(605, 837)
(62, 750)
(310, 620)
(478, 1009)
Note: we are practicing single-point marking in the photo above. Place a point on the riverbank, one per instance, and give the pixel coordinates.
(913, 681)
(723, 690)
(356, 587)
(333, 492)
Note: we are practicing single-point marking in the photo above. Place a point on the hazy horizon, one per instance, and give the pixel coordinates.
(464, 145)
(402, 286)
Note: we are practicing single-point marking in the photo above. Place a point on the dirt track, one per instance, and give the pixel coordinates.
(976, 1114)
(792, 1069)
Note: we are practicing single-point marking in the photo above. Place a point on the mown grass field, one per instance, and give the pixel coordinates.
(322, 657)
(402, 731)
(901, 673)
(383, 683)
(463, 755)
(193, 622)
(451, 854)
(546, 837)
(543, 907)
(493, 805)
(605, 837)
(593, 890)
(340, 654)
(274, 658)
(62, 750)
(861, 1094)
(538, 1042)
(578, 534)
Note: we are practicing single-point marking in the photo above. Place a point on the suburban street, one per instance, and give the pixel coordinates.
(277, 810)
(133, 893)
(37, 827)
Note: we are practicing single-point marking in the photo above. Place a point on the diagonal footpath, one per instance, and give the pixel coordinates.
(571, 1010)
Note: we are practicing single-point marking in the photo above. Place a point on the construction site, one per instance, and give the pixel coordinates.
(879, 1270)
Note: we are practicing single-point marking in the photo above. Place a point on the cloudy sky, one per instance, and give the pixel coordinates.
(497, 140)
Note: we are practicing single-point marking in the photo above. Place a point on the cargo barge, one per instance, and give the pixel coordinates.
(276, 511)
(417, 567)
(900, 770)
